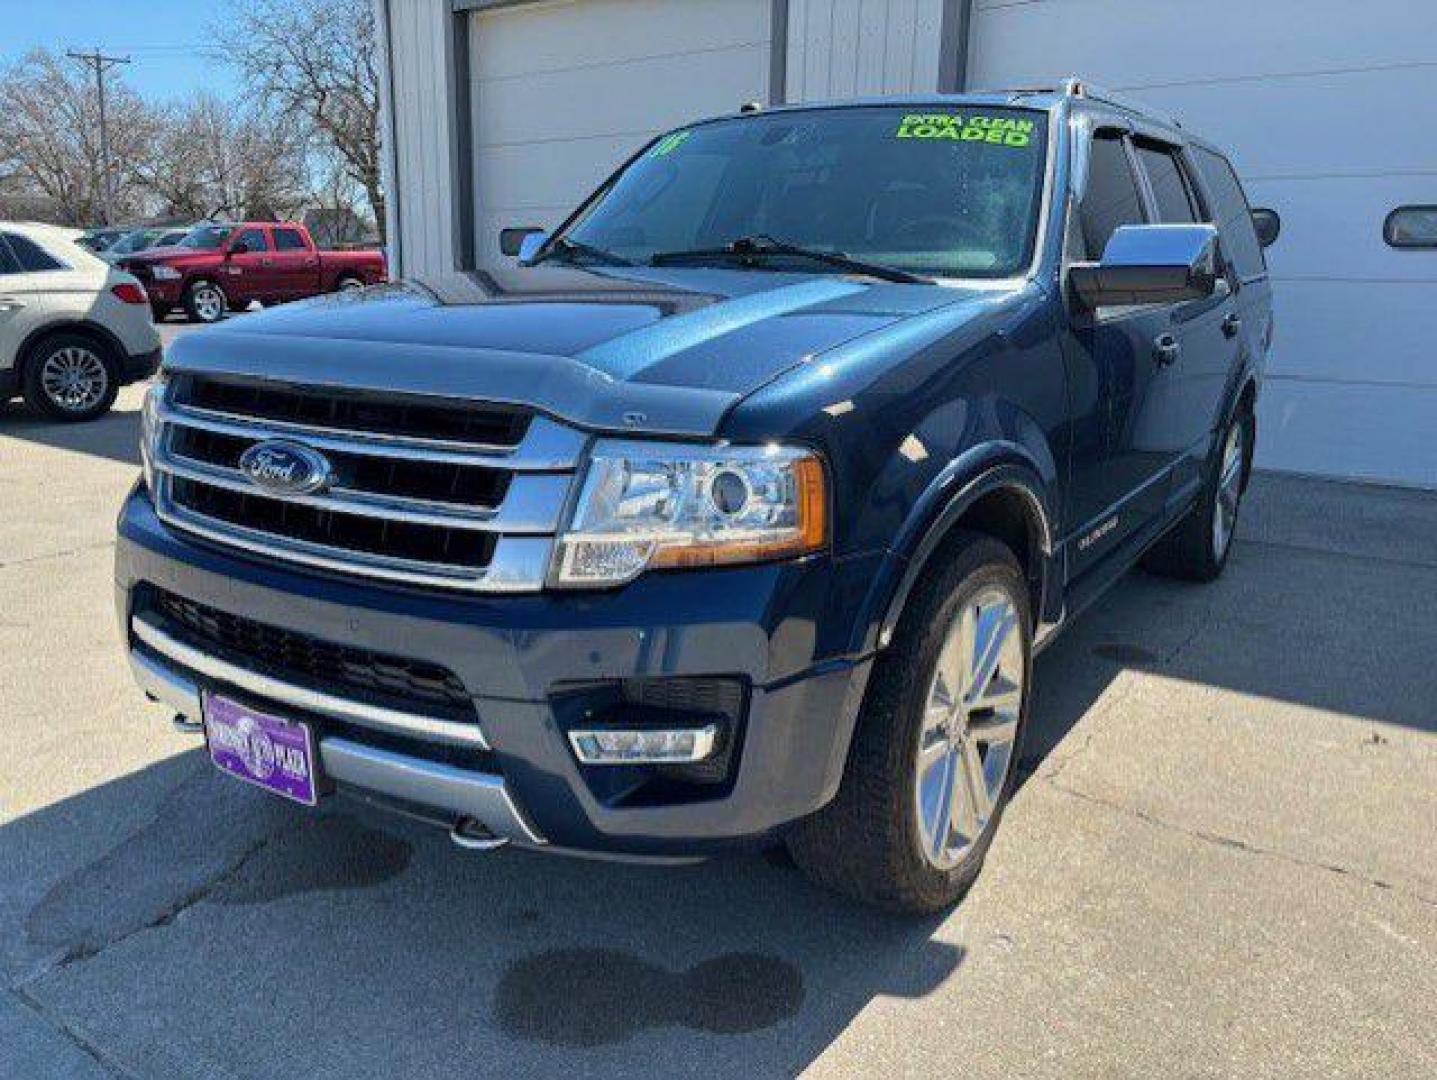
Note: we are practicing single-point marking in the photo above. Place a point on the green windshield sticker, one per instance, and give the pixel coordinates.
(997, 130)
(669, 143)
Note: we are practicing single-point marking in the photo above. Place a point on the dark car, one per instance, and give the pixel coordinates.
(220, 267)
(737, 513)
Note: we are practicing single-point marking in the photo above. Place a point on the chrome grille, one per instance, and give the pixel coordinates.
(421, 491)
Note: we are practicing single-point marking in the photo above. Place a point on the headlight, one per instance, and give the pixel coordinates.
(648, 505)
(150, 429)
(166, 273)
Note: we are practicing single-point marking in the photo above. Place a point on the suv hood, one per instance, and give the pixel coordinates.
(663, 350)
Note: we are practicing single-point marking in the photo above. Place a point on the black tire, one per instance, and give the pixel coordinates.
(199, 303)
(866, 842)
(160, 312)
(51, 355)
(1192, 550)
(348, 281)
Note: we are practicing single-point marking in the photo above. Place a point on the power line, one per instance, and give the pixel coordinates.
(100, 63)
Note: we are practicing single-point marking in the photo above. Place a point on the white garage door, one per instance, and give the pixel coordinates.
(1324, 109)
(564, 92)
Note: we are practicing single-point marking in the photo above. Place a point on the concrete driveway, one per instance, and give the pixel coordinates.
(1223, 861)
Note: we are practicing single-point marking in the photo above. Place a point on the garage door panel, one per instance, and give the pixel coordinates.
(1332, 227)
(1367, 123)
(1381, 433)
(563, 93)
(550, 174)
(563, 36)
(1356, 331)
(618, 98)
(1143, 42)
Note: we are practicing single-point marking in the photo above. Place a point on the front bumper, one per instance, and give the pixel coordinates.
(140, 366)
(780, 629)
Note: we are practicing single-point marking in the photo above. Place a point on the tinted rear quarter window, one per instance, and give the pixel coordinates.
(1112, 196)
(288, 240)
(1171, 190)
(30, 255)
(1231, 213)
(8, 263)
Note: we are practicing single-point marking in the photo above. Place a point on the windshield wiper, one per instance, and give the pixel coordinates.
(561, 247)
(755, 247)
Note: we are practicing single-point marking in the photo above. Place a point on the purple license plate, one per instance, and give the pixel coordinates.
(268, 751)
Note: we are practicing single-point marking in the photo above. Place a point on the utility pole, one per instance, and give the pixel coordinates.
(100, 63)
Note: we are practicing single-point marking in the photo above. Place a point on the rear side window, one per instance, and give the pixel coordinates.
(30, 255)
(288, 240)
(254, 240)
(1112, 197)
(1176, 203)
(8, 263)
(1231, 213)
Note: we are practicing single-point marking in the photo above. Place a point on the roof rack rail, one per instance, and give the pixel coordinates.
(1075, 87)
(1081, 88)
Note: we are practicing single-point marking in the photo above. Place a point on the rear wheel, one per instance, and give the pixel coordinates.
(71, 378)
(204, 301)
(932, 762)
(1198, 546)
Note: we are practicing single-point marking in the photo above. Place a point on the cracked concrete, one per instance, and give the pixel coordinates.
(1223, 861)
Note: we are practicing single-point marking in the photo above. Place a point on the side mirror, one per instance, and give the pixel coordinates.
(1268, 226)
(239, 247)
(522, 241)
(1150, 264)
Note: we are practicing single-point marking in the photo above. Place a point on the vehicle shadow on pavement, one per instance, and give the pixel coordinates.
(116, 435)
(368, 945)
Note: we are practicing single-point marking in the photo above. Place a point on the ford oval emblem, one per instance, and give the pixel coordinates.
(285, 468)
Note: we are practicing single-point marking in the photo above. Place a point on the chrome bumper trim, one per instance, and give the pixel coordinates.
(393, 721)
(482, 796)
(442, 789)
(164, 685)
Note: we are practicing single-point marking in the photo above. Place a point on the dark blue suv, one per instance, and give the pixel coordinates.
(737, 510)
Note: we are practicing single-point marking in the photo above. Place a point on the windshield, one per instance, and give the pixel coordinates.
(948, 192)
(206, 237)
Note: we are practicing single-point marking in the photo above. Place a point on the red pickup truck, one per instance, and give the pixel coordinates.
(216, 267)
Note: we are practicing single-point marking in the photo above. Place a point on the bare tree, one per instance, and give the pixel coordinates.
(50, 138)
(314, 61)
(213, 157)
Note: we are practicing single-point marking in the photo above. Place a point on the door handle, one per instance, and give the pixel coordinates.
(1166, 350)
(1232, 324)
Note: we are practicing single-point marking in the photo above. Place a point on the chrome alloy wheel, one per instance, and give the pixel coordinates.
(970, 725)
(209, 302)
(1229, 491)
(74, 378)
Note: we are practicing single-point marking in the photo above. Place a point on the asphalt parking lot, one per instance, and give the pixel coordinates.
(1223, 861)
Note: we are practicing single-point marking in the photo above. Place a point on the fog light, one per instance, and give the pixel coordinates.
(674, 746)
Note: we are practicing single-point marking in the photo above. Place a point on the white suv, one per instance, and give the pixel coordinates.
(73, 330)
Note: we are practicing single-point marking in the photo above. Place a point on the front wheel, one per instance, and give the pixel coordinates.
(1198, 546)
(933, 758)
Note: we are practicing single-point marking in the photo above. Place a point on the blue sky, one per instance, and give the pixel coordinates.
(162, 38)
